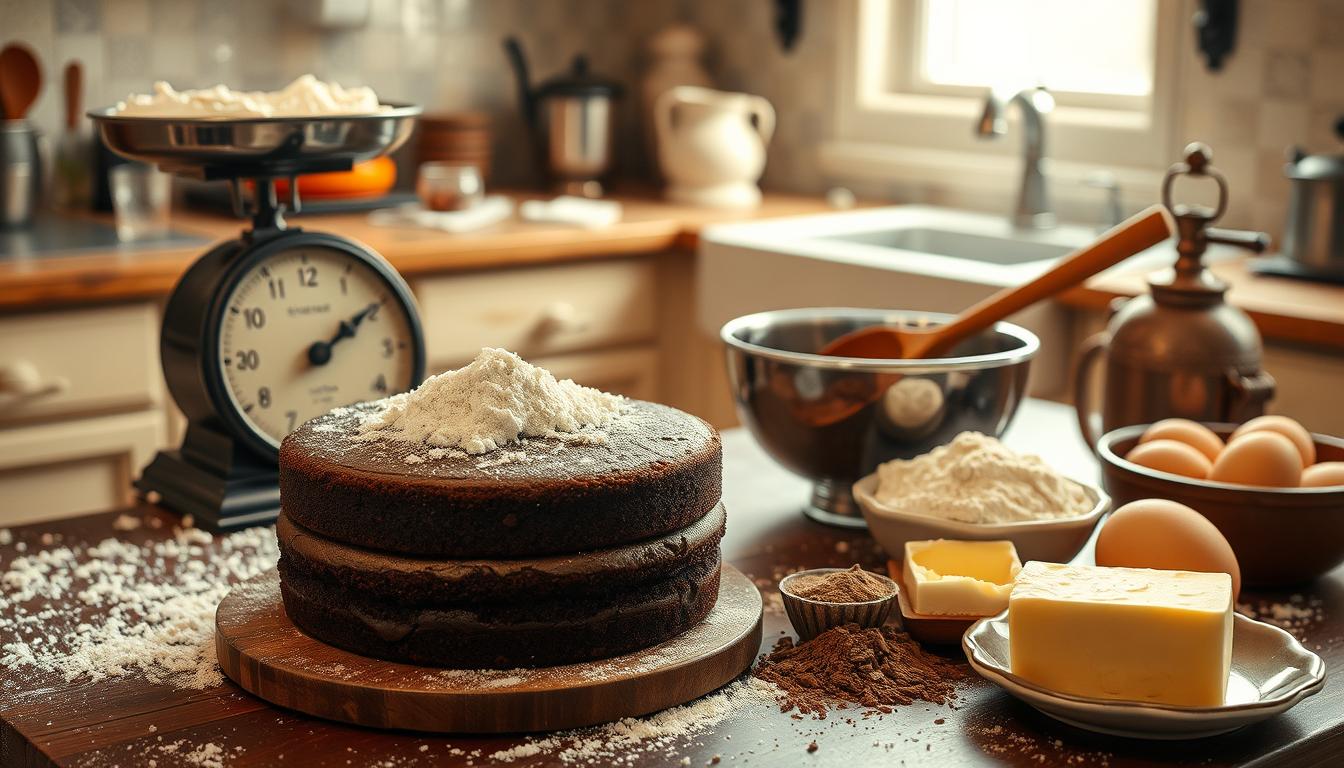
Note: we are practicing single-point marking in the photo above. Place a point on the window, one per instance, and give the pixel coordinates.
(979, 43)
(914, 75)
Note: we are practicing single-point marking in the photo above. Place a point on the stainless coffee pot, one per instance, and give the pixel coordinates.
(1180, 350)
(570, 117)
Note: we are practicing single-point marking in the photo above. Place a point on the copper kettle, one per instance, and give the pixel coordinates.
(1179, 350)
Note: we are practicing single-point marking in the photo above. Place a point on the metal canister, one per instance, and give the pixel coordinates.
(1314, 235)
(20, 173)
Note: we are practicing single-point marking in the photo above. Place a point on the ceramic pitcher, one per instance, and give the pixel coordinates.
(711, 145)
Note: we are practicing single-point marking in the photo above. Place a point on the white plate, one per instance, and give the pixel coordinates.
(1054, 540)
(1271, 672)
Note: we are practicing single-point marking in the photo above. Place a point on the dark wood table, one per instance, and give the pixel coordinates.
(125, 720)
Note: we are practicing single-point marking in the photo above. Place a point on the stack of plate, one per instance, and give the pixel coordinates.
(458, 137)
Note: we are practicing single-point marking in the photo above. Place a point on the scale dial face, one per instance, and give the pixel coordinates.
(308, 329)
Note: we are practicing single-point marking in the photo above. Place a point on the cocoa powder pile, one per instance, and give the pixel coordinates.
(854, 585)
(879, 668)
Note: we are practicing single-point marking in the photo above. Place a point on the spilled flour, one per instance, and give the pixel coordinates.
(493, 402)
(152, 605)
(659, 733)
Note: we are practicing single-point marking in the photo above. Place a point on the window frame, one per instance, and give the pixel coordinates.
(893, 129)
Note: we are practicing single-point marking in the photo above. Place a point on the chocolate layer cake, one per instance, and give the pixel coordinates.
(656, 470)
(547, 551)
(481, 613)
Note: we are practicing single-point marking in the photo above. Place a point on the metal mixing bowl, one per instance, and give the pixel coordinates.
(834, 419)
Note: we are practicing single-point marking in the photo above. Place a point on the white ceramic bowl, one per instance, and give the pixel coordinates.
(1056, 541)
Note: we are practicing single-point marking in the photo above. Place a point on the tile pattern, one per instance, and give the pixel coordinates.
(1284, 85)
(445, 54)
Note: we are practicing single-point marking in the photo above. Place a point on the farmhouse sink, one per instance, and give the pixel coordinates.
(958, 245)
(913, 238)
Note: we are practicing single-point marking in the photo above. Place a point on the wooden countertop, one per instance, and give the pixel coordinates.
(46, 720)
(648, 226)
(1284, 309)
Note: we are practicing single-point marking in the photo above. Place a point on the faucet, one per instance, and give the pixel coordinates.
(1033, 203)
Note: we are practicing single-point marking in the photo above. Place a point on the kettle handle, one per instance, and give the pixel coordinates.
(526, 100)
(1250, 393)
(764, 113)
(1089, 422)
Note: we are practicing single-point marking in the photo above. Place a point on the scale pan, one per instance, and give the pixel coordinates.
(255, 146)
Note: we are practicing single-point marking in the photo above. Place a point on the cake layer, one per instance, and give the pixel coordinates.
(561, 630)
(417, 580)
(655, 470)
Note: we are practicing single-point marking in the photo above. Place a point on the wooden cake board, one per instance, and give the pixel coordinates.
(260, 650)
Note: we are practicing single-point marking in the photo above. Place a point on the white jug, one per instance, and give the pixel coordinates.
(711, 145)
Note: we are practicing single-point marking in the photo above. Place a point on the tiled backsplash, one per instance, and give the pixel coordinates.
(1283, 85)
(445, 54)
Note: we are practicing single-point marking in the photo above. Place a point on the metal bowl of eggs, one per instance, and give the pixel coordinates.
(1274, 490)
(834, 419)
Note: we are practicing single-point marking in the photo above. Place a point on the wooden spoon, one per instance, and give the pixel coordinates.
(74, 92)
(1132, 235)
(20, 80)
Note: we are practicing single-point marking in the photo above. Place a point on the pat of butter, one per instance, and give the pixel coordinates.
(959, 578)
(1123, 633)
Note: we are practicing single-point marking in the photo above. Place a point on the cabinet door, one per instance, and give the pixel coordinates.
(632, 372)
(538, 311)
(1306, 386)
(78, 362)
(74, 467)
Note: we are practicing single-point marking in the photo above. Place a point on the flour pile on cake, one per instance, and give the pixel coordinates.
(498, 517)
(495, 401)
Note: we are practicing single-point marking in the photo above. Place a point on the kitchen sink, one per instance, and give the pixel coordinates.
(959, 245)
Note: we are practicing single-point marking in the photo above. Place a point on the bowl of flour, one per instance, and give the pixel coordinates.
(976, 488)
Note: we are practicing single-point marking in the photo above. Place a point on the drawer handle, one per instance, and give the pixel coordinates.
(20, 380)
(560, 317)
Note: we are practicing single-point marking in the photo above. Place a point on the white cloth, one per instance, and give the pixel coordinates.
(491, 210)
(578, 211)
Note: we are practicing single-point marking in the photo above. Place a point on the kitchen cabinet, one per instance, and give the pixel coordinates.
(632, 372)
(74, 467)
(56, 365)
(537, 311)
(80, 408)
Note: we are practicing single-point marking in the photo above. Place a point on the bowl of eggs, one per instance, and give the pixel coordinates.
(1274, 490)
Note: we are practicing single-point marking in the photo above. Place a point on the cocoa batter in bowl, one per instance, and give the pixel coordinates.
(834, 419)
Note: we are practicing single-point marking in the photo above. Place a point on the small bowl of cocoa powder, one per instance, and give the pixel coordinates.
(821, 598)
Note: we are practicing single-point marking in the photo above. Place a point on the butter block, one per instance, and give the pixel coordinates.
(948, 577)
(1132, 634)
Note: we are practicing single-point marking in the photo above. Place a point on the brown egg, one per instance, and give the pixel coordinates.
(1171, 456)
(1285, 426)
(1324, 475)
(1156, 533)
(1262, 458)
(1192, 433)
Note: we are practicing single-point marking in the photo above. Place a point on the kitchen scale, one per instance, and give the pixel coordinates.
(278, 326)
